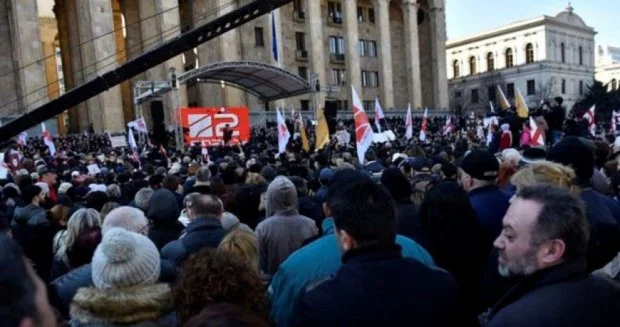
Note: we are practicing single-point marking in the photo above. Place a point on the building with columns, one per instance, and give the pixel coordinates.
(608, 66)
(543, 57)
(393, 50)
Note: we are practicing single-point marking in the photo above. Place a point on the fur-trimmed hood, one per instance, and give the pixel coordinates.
(146, 305)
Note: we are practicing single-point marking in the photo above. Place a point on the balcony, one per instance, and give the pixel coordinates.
(335, 19)
(299, 16)
(301, 55)
(336, 58)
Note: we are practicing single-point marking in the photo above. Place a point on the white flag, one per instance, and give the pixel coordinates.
(22, 138)
(378, 115)
(423, 127)
(283, 133)
(535, 134)
(132, 140)
(590, 116)
(139, 124)
(409, 124)
(47, 139)
(363, 132)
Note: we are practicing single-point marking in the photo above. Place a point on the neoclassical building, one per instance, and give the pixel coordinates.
(608, 66)
(393, 50)
(543, 57)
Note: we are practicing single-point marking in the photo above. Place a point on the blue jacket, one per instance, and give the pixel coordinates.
(376, 286)
(200, 233)
(604, 242)
(490, 205)
(316, 261)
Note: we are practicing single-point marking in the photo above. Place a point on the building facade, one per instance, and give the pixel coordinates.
(393, 50)
(608, 66)
(543, 57)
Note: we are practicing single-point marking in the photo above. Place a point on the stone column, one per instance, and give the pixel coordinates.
(385, 53)
(96, 26)
(121, 56)
(314, 31)
(27, 53)
(440, 72)
(160, 23)
(208, 53)
(352, 56)
(412, 52)
(231, 51)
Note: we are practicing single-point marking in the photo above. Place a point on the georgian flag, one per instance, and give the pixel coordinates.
(378, 115)
(47, 139)
(422, 136)
(408, 124)
(283, 133)
(536, 135)
(447, 129)
(590, 116)
(363, 132)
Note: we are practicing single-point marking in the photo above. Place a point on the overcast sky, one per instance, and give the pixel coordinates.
(466, 17)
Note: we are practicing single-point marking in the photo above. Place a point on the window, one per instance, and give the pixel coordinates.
(372, 48)
(457, 94)
(336, 44)
(509, 58)
(581, 56)
(360, 14)
(474, 96)
(258, 37)
(472, 65)
(300, 39)
(368, 105)
(305, 105)
(456, 69)
(343, 105)
(580, 87)
(614, 84)
(491, 93)
(338, 77)
(490, 62)
(303, 72)
(370, 79)
(563, 86)
(529, 53)
(510, 90)
(371, 15)
(531, 87)
(298, 7)
(362, 48)
(334, 11)
(562, 54)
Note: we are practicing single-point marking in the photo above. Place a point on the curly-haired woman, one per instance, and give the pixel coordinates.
(210, 277)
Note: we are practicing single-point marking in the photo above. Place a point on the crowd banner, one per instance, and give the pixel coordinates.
(206, 124)
(118, 141)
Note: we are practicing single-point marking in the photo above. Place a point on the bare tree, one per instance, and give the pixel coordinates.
(488, 86)
(544, 91)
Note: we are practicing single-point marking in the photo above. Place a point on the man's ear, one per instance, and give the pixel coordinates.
(327, 211)
(552, 252)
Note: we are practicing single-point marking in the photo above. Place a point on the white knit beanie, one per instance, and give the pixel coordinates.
(124, 258)
(64, 188)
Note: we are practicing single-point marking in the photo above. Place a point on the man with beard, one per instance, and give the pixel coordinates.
(543, 243)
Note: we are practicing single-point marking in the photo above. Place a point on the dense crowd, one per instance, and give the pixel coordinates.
(469, 227)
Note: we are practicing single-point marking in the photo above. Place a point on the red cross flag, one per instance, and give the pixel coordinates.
(363, 132)
(283, 133)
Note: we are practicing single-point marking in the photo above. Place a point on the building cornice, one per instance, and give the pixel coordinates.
(524, 69)
(515, 27)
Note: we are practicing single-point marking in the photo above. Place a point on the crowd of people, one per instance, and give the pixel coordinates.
(449, 231)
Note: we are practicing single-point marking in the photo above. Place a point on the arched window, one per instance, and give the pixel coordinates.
(472, 65)
(509, 58)
(490, 61)
(580, 56)
(614, 84)
(529, 53)
(456, 68)
(562, 53)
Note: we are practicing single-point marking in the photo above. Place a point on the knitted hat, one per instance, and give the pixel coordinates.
(125, 259)
(64, 187)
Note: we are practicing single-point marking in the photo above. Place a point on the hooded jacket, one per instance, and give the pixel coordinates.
(138, 306)
(163, 212)
(35, 233)
(285, 230)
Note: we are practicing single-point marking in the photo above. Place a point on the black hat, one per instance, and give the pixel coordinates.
(44, 170)
(481, 165)
(420, 164)
(571, 151)
(532, 155)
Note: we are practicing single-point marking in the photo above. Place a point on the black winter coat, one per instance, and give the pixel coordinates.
(200, 233)
(378, 287)
(561, 296)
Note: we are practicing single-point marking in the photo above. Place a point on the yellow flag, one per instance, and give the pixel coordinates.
(322, 131)
(501, 99)
(522, 109)
(304, 138)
